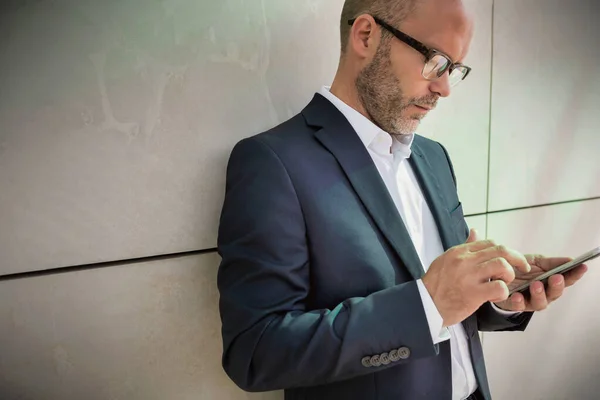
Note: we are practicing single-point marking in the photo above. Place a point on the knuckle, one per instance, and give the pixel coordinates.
(502, 249)
(460, 256)
(503, 264)
(507, 265)
(460, 252)
(455, 251)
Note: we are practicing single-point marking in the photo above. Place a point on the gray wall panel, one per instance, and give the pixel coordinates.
(558, 356)
(117, 117)
(147, 331)
(546, 91)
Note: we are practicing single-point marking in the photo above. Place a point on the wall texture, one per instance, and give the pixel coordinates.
(116, 121)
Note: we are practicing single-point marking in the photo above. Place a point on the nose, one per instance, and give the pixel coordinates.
(441, 86)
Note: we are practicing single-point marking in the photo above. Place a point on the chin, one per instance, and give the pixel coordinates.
(406, 126)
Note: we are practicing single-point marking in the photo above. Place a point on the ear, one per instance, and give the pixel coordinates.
(364, 36)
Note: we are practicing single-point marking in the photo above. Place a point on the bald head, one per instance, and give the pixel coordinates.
(392, 11)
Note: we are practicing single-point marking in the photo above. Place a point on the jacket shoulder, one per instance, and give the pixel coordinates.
(291, 130)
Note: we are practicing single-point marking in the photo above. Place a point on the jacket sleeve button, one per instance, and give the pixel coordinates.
(375, 361)
(366, 362)
(384, 359)
(403, 353)
(394, 357)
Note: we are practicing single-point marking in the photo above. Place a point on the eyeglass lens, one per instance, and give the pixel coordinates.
(438, 65)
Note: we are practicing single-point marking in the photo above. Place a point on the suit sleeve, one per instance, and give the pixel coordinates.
(488, 319)
(271, 339)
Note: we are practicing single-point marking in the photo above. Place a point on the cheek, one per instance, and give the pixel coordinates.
(408, 73)
(407, 63)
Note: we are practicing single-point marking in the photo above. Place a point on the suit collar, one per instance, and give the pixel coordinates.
(372, 136)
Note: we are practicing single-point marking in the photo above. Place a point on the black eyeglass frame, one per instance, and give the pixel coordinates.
(427, 52)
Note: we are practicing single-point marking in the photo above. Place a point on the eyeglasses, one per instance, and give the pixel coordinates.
(436, 62)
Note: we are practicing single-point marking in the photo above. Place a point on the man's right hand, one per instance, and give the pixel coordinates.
(468, 275)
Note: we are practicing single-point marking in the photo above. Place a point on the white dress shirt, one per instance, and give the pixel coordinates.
(390, 156)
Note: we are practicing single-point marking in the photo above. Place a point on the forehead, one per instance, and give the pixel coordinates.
(444, 25)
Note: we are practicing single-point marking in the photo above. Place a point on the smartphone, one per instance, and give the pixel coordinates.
(590, 255)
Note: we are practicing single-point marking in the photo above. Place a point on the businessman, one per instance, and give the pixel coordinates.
(348, 270)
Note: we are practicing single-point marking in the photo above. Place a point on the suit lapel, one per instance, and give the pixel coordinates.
(433, 195)
(338, 136)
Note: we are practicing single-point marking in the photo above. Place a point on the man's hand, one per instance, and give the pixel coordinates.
(468, 275)
(540, 297)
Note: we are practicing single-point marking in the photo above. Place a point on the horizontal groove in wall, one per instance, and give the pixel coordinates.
(107, 264)
(558, 203)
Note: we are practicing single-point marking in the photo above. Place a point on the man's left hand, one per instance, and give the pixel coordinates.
(540, 296)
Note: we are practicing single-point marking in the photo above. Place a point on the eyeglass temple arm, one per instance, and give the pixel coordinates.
(420, 47)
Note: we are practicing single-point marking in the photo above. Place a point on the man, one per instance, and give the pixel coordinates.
(348, 270)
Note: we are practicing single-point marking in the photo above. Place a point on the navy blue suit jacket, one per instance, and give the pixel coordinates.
(317, 278)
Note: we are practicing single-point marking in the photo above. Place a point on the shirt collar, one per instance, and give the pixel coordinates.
(370, 134)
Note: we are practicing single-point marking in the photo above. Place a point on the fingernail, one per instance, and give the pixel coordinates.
(518, 300)
(539, 289)
(558, 281)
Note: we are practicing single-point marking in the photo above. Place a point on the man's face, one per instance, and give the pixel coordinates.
(392, 89)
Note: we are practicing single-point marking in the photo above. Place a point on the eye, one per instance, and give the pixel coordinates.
(436, 66)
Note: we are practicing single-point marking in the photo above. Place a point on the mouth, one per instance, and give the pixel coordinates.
(423, 108)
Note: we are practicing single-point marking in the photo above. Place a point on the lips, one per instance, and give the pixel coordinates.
(428, 108)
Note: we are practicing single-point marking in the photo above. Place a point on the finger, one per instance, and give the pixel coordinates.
(514, 258)
(497, 268)
(495, 291)
(515, 302)
(479, 245)
(574, 275)
(547, 263)
(534, 259)
(537, 300)
(556, 286)
(473, 236)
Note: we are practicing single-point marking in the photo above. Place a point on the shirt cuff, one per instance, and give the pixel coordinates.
(434, 319)
(504, 312)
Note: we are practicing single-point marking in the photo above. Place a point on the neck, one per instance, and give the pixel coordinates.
(344, 89)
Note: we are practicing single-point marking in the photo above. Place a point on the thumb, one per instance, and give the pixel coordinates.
(473, 236)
